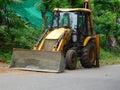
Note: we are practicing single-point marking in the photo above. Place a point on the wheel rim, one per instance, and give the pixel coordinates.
(92, 54)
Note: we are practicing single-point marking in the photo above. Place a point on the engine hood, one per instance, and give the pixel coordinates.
(55, 34)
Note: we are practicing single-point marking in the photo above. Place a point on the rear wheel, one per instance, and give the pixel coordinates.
(71, 59)
(88, 55)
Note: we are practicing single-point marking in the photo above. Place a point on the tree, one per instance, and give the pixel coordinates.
(47, 6)
(115, 7)
(8, 21)
(106, 15)
(76, 3)
(7, 15)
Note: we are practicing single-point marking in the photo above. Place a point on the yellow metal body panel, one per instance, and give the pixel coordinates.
(41, 45)
(86, 40)
(96, 39)
(55, 34)
(60, 47)
(64, 40)
(72, 9)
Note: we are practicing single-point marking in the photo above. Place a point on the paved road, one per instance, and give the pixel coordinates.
(103, 78)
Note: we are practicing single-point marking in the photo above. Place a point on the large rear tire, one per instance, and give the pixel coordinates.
(71, 59)
(88, 57)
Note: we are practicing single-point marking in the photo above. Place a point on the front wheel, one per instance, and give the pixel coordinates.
(88, 55)
(71, 59)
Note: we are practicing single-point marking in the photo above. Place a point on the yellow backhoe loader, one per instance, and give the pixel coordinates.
(71, 37)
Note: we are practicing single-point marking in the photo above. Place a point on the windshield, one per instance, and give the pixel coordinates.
(64, 19)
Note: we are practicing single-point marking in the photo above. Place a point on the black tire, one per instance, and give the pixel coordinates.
(88, 55)
(71, 59)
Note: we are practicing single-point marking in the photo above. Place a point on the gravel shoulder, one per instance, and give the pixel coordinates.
(4, 69)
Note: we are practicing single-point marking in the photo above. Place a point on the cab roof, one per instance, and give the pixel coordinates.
(72, 10)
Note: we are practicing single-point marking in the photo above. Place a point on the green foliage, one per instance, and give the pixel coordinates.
(106, 22)
(106, 17)
(47, 6)
(18, 38)
(107, 54)
(109, 58)
(5, 57)
(77, 3)
(7, 15)
(14, 32)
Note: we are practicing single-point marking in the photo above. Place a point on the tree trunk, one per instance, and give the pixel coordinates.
(44, 19)
(72, 2)
(116, 30)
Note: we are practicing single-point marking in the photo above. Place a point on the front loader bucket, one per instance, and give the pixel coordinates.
(37, 60)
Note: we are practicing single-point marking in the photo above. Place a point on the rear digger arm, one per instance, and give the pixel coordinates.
(87, 5)
(93, 36)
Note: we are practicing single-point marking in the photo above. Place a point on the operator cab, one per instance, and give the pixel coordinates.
(77, 20)
(64, 19)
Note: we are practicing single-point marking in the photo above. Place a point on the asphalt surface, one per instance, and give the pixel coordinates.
(103, 78)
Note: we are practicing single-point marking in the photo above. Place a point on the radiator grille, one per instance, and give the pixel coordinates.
(49, 45)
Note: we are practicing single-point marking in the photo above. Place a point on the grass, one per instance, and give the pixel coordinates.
(109, 58)
(5, 57)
